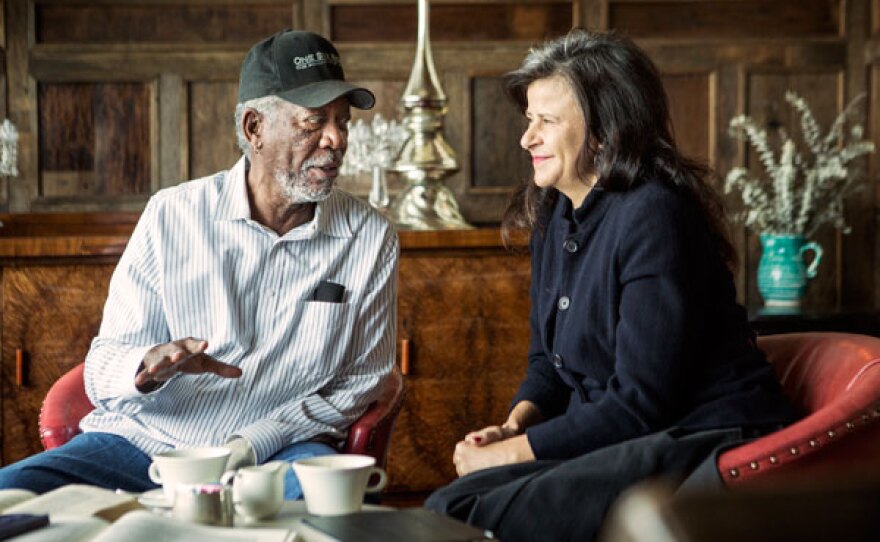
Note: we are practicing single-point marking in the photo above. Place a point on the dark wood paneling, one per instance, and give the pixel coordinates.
(467, 322)
(690, 109)
(94, 139)
(122, 139)
(497, 160)
(160, 23)
(52, 314)
(212, 141)
(768, 108)
(496, 21)
(725, 19)
(67, 130)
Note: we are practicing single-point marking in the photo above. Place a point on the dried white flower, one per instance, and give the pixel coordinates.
(822, 175)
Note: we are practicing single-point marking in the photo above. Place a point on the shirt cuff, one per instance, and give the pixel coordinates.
(131, 362)
(265, 437)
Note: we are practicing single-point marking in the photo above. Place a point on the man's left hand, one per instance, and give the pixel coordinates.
(241, 454)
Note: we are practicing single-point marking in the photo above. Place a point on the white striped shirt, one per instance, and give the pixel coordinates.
(196, 265)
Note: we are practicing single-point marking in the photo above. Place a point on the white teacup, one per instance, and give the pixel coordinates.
(187, 466)
(258, 491)
(335, 484)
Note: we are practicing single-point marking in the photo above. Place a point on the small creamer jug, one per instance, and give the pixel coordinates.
(258, 491)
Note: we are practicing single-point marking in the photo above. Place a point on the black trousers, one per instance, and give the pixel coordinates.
(568, 500)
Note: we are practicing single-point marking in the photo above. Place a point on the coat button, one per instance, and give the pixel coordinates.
(563, 303)
(570, 246)
(557, 361)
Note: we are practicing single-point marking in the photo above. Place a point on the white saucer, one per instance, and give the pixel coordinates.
(155, 498)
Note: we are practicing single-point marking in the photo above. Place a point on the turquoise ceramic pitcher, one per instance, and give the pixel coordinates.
(782, 274)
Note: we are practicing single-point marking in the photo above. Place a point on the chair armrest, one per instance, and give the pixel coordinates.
(65, 405)
(370, 434)
(851, 422)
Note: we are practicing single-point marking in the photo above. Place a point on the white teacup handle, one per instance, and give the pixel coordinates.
(153, 472)
(380, 485)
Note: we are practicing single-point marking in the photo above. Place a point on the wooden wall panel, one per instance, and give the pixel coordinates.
(94, 139)
(122, 139)
(767, 107)
(725, 18)
(497, 160)
(212, 144)
(691, 111)
(67, 130)
(450, 21)
(159, 23)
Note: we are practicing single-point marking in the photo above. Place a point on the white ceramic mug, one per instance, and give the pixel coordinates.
(335, 484)
(258, 491)
(187, 466)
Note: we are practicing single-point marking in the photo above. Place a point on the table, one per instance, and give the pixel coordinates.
(79, 527)
(290, 517)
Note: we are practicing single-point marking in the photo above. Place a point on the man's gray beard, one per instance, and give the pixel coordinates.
(296, 187)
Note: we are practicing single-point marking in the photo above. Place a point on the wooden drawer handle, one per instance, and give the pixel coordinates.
(19, 367)
(404, 357)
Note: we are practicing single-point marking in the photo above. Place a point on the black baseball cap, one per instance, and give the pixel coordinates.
(301, 67)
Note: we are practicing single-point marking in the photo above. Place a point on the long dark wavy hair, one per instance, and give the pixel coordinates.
(629, 136)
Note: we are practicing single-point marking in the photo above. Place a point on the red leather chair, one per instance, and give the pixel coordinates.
(66, 403)
(834, 379)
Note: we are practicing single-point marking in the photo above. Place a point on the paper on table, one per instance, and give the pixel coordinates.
(10, 497)
(81, 529)
(71, 500)
(143, 526)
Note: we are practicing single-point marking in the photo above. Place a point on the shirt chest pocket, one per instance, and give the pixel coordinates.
(324, 334)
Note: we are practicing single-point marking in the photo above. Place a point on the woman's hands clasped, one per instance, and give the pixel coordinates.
(181, 356)
(497, 445)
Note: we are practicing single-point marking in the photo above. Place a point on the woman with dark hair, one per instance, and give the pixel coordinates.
(641, 362)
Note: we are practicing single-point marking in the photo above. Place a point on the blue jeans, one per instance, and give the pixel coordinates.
(110, 461)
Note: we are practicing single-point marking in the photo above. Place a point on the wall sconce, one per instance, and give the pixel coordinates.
(8, 149)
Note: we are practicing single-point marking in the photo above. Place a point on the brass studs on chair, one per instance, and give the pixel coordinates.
(734, 473)
(831, 434)
(813, 443)
(865, 417)
(773, 460)
(753, 465)
(850, 425)
(793, 451)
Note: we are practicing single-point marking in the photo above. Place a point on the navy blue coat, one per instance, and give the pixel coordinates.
(635, 327)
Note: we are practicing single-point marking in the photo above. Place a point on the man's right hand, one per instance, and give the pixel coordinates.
(181, 356)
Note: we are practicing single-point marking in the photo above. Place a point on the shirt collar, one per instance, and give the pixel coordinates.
(330, 216)
(583, 220)
(331, 219)
(233, 201)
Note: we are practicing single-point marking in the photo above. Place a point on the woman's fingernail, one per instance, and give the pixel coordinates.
(478, 439)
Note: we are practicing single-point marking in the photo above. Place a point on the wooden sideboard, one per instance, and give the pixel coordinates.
(462, 330)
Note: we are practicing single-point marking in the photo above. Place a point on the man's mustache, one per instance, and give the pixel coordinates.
(334, 158)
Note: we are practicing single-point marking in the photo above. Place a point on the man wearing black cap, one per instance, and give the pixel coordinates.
(254, 308)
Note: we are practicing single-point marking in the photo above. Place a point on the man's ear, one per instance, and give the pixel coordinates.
(252, 124)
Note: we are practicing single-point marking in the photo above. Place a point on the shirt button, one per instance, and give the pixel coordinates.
(563, 303)
(571, 246)
(557, 361)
